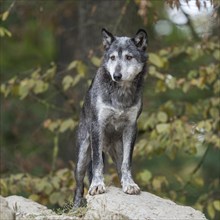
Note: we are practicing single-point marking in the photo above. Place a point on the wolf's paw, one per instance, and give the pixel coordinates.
(132, 189)
(97, 189)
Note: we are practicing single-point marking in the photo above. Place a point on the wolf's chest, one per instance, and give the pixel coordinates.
(116, 117)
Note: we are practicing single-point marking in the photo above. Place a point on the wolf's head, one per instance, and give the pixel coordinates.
(124, 57)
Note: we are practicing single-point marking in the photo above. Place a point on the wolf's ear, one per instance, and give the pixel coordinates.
(141, 39)
(107, 38)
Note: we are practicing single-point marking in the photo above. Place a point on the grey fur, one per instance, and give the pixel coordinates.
(109, 114)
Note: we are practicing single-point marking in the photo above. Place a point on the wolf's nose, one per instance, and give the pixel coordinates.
(117, 76)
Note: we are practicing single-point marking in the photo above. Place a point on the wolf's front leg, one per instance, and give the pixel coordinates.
(128, 184)
(83, 158)
(97, 185)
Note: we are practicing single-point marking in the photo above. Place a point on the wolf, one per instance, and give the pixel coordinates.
(108, 121)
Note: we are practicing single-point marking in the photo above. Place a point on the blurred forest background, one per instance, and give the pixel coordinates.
(50, 51)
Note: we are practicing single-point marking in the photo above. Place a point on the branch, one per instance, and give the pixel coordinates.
(47, 104)
(201, 161)
(195, 169)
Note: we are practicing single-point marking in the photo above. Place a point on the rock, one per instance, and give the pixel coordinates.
(27, 206)
(27, 209)
(6, 213)
(115, 204)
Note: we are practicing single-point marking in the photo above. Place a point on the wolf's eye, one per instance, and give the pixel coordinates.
(112, 57)
(128, 57)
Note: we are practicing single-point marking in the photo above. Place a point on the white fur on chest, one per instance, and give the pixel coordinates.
(115, 116)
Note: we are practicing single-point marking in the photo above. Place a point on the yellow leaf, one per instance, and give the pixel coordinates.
(67, 82)
(162, 117)
(156, 60)
(96, 61)
(204, 126)
(23, 89)
(72, 65)
(62, 199)
(211, 210)
(50, 72)
(12, 80)
(170, 81)
(216, 87)
(48, 188)
(4, 31)
(3, 88)
(199, 182)
(5, 15)
(4, 187)
(145, 176)
(56, 182)
(216, 54)
(36, 73)
(41, 185)
(67, 124)
(54, 125)
(77, 78)
(34, 197)
(40, 86)
(163, 127)
(216, 205)
(81, 68)
(54, 197)
(156, 184)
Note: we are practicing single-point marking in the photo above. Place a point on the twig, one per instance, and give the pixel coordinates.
(55, 153)
(195, 169)
(201, 161)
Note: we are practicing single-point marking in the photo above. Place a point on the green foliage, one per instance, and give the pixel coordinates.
(179, 123)
(54, 189)
(178, 128)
